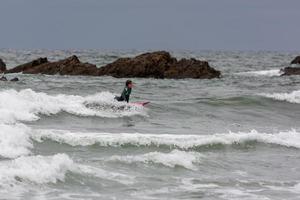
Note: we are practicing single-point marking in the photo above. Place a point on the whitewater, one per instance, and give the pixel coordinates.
(238, 137)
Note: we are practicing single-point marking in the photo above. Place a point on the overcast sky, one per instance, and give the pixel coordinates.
(151, 24)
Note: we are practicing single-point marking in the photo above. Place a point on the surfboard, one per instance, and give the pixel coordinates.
(140, 103)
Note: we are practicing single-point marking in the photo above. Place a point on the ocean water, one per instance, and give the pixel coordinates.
(238, 137)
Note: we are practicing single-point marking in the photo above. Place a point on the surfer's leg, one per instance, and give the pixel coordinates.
(118, 98)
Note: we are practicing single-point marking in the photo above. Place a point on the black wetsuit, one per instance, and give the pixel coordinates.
(125, 95)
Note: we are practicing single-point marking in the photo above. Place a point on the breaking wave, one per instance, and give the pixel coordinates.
(26, 105)
(50, 169)
(14, 140)
(272, 72)
(288, 138)
(293, 97)
(173, 159)
(36, 169)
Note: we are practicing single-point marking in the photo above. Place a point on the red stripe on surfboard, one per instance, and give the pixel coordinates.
(140, 103)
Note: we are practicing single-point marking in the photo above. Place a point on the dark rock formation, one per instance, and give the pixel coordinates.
(2, 66)
(291, 71)
(191, 68)
(287, 71)
(159, 65)
(149, 65)
(296, 60)
(68, 66)
(28, 66)
(145, 65)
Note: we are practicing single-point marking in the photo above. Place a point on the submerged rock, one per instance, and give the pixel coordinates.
(14, 79)
(159, 64)
(3, 78)
(2, 66)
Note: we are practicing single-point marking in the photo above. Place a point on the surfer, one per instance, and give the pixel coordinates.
(126, 92)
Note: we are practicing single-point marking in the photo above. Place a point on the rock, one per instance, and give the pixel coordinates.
(3, 78)
(159, 64)
(27, 66)
(68, 66)
(14, 79)
(145, 65)
(191, 68)
(291, 71)
(287, 71)
(2, 66)
(296, 60)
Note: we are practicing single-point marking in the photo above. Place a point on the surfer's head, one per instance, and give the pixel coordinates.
(128, 83)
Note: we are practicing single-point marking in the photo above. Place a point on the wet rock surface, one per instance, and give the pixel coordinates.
(158, 64)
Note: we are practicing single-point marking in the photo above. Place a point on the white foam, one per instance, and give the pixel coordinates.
(26, 105)
(288, 138)
(172, 159)
(293, 97)
(272, 72)
(36, 169)
(14, 140)
(50, 169)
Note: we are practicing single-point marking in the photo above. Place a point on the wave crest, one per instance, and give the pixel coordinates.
(36, 169)
(26, 105)
(172, 159)
(293, 97)
(288, 139)
(50, 169)
(270, 73)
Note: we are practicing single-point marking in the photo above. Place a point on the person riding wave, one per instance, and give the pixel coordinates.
(126, 92)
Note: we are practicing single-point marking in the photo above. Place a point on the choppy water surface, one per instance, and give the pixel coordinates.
(238, 137)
